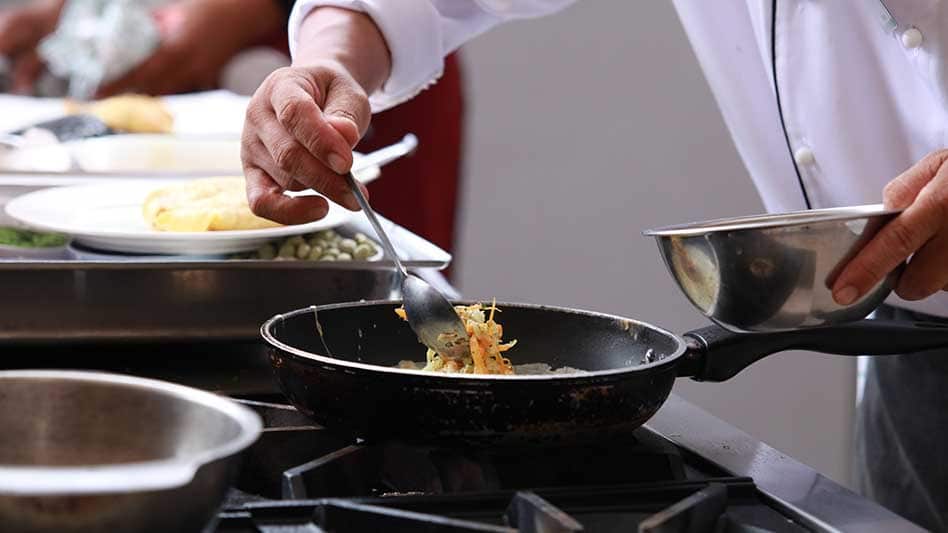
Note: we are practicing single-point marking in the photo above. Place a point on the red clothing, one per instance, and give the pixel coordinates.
(421, 192)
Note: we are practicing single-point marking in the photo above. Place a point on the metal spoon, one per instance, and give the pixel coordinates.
(429, 313)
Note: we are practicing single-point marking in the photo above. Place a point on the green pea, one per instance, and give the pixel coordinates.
(303, 250)
(295, 240)
(327, 257)
(267, 251)
(347, 245)
(287, 250)
(364, 251)
(361, 238)
(344, 256)
(315, 253)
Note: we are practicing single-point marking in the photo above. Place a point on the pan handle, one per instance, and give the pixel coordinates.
(716, 354)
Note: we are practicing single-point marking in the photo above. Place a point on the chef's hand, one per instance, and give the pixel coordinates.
(304, 120)
(921, 229)
(198, 39)
(22, 27)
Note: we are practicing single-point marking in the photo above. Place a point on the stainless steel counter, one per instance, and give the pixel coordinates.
(815, 499)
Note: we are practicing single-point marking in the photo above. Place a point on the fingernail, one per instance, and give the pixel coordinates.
(337, 163)
(909, 293)
(846, 295)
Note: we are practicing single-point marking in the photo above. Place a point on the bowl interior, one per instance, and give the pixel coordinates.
(775, 273)
(52, 421)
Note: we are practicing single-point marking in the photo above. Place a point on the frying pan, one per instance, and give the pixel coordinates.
(346, 381)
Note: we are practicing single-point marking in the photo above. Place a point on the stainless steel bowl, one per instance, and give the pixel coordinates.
(773, 272)
(90, 452)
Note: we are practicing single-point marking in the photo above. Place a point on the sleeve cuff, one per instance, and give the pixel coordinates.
(412, 32)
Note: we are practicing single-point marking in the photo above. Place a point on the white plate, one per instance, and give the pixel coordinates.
(130, 154)
(157, 153)
(108, 216)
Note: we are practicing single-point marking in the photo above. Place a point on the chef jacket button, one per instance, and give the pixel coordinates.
(804, 156)
(911, 38)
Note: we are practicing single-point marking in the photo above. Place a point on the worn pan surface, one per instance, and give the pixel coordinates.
(346, 380)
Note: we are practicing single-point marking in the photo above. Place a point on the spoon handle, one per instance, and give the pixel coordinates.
(376, 225)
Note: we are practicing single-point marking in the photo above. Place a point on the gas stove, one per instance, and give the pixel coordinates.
(684, 471)
(299, 477)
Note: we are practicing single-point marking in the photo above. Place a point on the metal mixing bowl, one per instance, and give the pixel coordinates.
(773, 272)
(91, 452)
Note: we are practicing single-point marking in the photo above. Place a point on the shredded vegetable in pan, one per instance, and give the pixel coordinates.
(487, 347)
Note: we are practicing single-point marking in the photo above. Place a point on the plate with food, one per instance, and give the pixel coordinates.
(153, 136)
(128, 134)
(163, 216)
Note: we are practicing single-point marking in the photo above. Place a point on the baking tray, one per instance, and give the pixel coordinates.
(170, 299)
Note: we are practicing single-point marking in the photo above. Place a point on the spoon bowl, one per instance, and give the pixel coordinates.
(430, 315)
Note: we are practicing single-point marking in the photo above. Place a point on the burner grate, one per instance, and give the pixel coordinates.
(392, 469)
(719, 506)
(299, 477)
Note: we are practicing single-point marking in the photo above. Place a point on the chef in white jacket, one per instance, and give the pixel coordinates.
(830, 103)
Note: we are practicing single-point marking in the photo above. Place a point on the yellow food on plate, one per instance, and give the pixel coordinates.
(206, 204)
(132, 113)
(487, 347)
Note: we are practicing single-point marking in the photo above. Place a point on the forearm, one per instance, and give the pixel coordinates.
(348, 37)
(418, 34)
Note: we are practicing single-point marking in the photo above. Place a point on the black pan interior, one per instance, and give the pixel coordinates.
(371, 333)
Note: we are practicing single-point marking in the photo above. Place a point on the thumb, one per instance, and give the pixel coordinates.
(346, 127)
(346, 108)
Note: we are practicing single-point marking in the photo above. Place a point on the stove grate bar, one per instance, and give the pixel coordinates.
(341, 515)
(344, 473)
(697, 513)
(532, 514)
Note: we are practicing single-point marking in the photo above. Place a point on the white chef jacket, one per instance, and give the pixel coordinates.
(860, 92)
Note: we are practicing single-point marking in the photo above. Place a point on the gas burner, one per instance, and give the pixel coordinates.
(301, 477)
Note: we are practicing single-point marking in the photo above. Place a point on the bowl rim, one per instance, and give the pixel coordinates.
(773, 220)
(142, 476)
